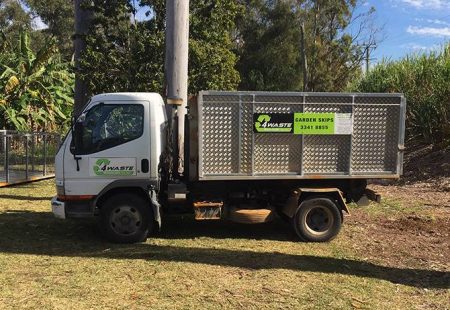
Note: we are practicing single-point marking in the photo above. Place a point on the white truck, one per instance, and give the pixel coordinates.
(249, 157)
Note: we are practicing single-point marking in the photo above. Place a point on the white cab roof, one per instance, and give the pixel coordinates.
(127, 96)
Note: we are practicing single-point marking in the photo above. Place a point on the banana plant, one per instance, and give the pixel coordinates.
(36, 89)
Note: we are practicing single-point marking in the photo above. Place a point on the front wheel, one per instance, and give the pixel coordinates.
(317, 220)
(126, 218)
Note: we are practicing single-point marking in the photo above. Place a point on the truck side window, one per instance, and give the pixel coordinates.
(109, 125)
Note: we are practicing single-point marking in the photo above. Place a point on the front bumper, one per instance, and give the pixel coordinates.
(58, 208)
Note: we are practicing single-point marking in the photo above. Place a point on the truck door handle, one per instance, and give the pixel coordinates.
(144, 165)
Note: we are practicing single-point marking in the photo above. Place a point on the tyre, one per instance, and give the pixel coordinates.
(317, 220)
(126, 218)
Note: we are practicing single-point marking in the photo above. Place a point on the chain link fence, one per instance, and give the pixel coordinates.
(27, 156)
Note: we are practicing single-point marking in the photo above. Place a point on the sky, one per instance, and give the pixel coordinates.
(409, 26)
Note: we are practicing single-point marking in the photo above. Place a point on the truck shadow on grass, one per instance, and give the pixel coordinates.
(38, 233)
(25, 198)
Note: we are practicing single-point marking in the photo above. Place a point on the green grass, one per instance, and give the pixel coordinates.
(392, 208)
(49, 263)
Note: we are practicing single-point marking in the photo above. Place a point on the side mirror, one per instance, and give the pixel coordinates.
(77, 140)
(77, 135)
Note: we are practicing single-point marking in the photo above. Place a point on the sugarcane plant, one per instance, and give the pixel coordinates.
(424, 79)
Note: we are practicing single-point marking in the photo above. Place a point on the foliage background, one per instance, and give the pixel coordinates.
(425, 81)
(234, 44)
(35, 87)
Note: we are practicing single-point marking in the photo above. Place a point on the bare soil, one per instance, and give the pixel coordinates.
(403, 240)
(427, 164)
(412, 225)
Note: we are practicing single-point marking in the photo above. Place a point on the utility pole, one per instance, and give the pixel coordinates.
(304, 61)
(367, 59)
(176, 66)
(82, 23)
(368, 48)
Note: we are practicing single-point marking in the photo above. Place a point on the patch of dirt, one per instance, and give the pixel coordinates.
(407, 241)
(413, 229)
(427, 164)
(418, 194)
(418, 225)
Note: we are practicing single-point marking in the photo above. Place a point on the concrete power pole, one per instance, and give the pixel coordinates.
(176, 66)
(82, 23)
(304, 60)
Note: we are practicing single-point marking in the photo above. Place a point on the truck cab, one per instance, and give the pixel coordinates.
(113, 149)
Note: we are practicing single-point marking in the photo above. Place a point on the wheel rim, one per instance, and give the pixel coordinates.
(125, 220)
(319, 220)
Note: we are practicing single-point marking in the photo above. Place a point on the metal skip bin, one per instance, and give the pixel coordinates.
(289, 135)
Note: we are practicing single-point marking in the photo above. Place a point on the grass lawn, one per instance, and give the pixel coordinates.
(390, 256)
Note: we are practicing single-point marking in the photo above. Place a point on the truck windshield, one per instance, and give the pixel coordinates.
(109, 125)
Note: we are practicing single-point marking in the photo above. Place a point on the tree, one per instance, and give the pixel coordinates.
(58, 15)
(123, 55)
(336, 54)
(270, 45)
(212, 62)
(13, 18)
(35, 88)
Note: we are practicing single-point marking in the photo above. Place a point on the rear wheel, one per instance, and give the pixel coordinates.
(126, 218)
(317, 220)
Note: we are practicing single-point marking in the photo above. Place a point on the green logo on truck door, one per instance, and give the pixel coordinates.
(113, 166)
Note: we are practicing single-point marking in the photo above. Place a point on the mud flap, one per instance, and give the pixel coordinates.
(293, 201)
(156, 208)
(369, 195)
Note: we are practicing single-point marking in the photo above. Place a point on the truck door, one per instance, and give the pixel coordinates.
(113, 143)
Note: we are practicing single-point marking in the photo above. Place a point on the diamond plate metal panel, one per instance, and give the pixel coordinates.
(375, 138)
(326, 154)
(378, 100)
(324, 108)
(220, 137)
(272, 108)
(246, 134)
(292, 98)
(329, 99)
(277, 154)
(221, 98)
(231, 150)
